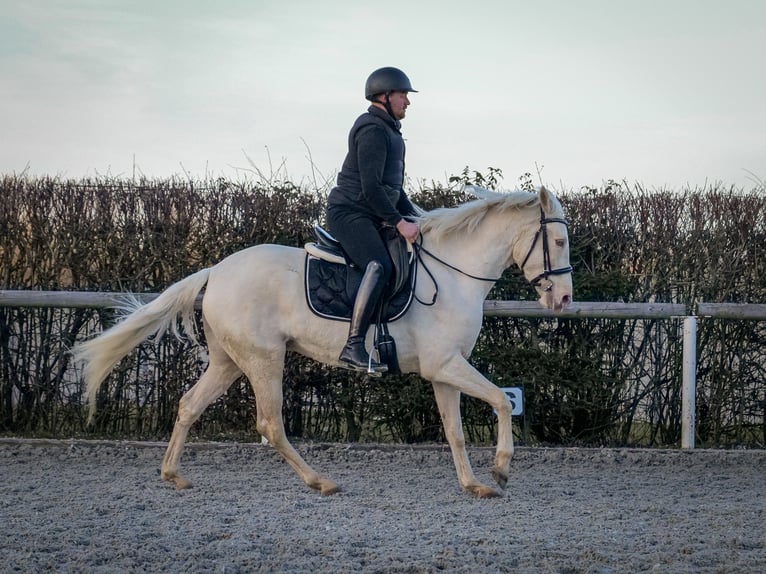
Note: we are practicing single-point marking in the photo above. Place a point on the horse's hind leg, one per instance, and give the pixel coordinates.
(215, 381)
(265, 373)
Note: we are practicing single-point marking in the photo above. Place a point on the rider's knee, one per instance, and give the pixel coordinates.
(380, 269)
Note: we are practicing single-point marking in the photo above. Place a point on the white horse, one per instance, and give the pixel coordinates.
(254, 310)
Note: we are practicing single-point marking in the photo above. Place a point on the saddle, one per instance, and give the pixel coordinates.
(332, 281)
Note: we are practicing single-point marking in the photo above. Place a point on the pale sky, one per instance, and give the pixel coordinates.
(663, 93)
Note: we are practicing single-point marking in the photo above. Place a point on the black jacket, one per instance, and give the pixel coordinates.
(371, 178)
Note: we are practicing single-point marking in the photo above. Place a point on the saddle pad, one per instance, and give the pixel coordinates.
(331, 290)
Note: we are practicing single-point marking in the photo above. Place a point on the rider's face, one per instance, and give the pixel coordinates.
(399, 102)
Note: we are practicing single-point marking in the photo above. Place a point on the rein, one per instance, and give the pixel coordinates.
(534, 282)
(419, 250)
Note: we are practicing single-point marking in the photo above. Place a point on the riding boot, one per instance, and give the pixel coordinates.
(354, 354)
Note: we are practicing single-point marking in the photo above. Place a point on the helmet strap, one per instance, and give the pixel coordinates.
(388, 106)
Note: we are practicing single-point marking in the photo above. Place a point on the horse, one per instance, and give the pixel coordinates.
(254, 310)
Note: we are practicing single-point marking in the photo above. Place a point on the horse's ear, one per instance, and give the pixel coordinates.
(546, 199)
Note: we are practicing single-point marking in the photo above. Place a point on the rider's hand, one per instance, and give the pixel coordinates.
(408, 230)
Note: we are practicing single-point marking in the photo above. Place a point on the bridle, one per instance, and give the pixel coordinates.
(534, 282)
(547, 271)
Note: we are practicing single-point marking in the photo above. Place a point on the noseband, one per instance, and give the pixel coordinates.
(547, 271)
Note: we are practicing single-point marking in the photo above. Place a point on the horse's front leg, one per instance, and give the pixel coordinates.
(458, 376)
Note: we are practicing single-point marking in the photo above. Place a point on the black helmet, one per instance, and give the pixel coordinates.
(384, 80)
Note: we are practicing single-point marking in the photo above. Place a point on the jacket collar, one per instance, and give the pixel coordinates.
(393, 122)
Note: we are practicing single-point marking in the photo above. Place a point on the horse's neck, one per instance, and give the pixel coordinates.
(486, 252)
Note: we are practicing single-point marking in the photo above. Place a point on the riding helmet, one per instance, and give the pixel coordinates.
(385, 80)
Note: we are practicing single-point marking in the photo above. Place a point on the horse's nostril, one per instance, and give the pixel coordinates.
(566, 300)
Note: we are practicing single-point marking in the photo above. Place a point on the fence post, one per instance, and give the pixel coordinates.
(689, 386)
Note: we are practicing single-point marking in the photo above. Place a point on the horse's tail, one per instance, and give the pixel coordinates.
(102, 353)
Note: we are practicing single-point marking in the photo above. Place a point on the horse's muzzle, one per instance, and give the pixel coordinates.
(557, 297)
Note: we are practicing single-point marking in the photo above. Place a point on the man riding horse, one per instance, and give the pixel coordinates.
(252, 317)
(368, 195)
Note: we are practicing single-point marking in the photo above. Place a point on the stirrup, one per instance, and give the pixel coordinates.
(375, 371)
(369, 370)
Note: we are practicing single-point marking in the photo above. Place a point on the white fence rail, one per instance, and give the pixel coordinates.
(493, 308)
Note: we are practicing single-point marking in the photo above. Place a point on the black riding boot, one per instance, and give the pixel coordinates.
(354, 353)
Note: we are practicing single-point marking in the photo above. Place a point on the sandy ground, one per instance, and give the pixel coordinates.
(73, 506)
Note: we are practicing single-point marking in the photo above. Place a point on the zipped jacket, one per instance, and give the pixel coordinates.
(371, 178)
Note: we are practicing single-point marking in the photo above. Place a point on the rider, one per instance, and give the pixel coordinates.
(369, 195)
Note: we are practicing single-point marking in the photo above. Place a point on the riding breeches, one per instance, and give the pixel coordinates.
(360, 237)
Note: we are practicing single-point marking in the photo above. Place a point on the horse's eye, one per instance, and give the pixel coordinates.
(560, 242)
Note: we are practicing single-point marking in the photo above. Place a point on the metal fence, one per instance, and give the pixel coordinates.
(495, 308)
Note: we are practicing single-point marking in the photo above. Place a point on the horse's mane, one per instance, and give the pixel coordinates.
(466, 217)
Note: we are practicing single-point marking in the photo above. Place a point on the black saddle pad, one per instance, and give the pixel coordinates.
(331, 289)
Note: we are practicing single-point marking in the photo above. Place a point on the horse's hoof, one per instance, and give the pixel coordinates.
(481, 491)
(329, 489)
(178, 481)
(181, 483)
(500, 477)
(325, 486)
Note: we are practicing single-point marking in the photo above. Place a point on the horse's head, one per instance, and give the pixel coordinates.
(542, 253)
(539, 244)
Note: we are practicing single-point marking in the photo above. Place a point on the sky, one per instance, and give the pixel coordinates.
(663, 93)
